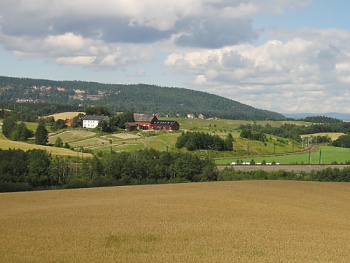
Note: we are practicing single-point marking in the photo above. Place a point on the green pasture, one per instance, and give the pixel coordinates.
(216, 125)
(324, 155)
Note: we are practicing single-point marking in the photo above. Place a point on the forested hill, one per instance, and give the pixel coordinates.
(141, 98)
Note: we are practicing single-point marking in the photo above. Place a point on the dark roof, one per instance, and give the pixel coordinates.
(144, 117)
(95, 118)
(159, 122)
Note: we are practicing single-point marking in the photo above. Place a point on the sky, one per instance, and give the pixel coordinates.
(287, 56)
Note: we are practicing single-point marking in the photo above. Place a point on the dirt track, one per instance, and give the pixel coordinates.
(271, 168)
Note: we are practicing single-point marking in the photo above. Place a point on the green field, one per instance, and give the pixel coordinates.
(322, 155)
(246, 221)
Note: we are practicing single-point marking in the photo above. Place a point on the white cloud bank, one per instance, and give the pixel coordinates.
(211, 41)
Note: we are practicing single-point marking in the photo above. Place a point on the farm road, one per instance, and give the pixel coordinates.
(271, 168)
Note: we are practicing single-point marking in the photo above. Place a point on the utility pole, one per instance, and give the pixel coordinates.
(320, 159)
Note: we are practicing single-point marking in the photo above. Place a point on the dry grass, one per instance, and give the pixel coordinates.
(72, 135)
(332, 135)
(6, 144)
(248, 221)
(66, 115)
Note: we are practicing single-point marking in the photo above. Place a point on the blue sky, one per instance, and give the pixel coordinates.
(287, 56)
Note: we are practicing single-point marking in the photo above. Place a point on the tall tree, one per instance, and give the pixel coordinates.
(41, 134)
(8, 126)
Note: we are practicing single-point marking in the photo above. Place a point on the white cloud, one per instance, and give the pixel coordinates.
(304, 70)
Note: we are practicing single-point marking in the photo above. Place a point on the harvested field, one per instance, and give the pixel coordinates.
(246, 221)
(126, 136)
(6, 144)
(71, 135)
(66, 115)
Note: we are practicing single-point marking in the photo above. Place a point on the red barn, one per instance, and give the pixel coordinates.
(144, 121)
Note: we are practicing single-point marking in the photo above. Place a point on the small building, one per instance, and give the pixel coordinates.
(204, 116)
(91, 121)
(190, 115)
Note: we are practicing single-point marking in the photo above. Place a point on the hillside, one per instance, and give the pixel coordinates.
(246, 221)
(141, 98)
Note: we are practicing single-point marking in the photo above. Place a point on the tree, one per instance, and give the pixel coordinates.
(229, 143)
(41, 134)
(39, 172)
(58, 142)
(8, 126)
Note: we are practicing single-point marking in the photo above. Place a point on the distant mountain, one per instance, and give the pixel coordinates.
(340, 116)
(141, 98)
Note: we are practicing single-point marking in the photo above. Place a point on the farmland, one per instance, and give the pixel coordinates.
(247, 221)
(96, 142)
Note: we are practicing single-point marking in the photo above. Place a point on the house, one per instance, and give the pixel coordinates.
(190, 115)
(91, 121)
(165, 125)
(204, 116)
(144, 121)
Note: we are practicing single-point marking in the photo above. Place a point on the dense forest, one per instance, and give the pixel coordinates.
(141, 98)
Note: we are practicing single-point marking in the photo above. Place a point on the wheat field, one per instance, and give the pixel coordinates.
(245, 221)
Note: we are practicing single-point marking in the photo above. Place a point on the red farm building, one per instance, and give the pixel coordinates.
(151, 122)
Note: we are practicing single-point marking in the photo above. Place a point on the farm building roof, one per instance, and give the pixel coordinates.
(144, 117)
(95, 118)
(159, 122)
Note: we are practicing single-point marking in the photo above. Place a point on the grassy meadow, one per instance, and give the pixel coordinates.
(245, 221)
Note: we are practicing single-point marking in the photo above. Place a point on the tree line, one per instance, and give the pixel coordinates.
(37, 169)
(325, 175)
(293, 131)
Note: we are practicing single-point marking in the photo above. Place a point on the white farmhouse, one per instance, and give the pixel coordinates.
(91, 121)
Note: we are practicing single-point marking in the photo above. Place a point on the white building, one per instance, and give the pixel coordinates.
(91, 121)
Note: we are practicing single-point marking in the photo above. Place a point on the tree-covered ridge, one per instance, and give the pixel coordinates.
(321, 119)
(141, 98)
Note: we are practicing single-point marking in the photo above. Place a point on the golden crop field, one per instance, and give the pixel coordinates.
(245, 221)
(6, 144)
(332, 135)
(66, 115)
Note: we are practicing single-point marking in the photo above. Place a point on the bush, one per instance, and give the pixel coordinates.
(77, 183)
(14, 187)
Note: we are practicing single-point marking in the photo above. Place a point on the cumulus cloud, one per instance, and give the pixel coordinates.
(304, 70)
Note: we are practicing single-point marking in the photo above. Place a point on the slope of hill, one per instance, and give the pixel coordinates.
(138, 98)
